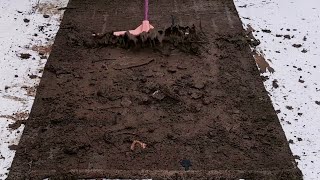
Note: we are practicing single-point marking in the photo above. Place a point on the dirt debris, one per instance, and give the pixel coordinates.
(42, 50)
(275, 84)
(32, 76)
(31, 91)
(297, 157)
(16, 124)
(17, 116)
(186, 39)
(13, 147)
(25, 55)
(266, 30)
(262, 63)
(305, 38)
(287, 36)
(26, 20)
(289, 107)
(297, 45)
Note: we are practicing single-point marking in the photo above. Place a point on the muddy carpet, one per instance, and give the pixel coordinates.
(160, 113)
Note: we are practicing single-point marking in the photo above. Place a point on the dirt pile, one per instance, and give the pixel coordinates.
(187, 39)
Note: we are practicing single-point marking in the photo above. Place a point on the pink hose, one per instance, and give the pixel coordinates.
(146, 9)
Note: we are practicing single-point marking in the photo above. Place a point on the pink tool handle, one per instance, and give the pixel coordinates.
(146, 9)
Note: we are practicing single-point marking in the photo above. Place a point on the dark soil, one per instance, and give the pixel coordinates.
(108, 111)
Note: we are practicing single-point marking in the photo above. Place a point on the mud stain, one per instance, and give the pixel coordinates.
(14, 98)
(262, 64)
(249, 29)
(16, 124)
(229, 17)
(19, 116)
(47, 8)
(31, 91)
(43, 50)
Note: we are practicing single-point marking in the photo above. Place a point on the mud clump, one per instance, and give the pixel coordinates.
(186, 39)
(297, 45)
(239, 41)
(266, 30)
(25, 55)
(16, 125)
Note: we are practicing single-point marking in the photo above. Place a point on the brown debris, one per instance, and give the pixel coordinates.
(262, 63)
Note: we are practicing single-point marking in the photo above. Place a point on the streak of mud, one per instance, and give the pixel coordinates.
(43, 50)
(47, 8)
(17, 116)
(15, 98)
(263, 65)
(259, 57)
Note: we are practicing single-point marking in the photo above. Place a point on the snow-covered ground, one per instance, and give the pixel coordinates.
(29, 27)
(294, 87)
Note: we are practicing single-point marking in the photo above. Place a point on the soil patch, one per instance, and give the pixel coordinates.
(109, 111)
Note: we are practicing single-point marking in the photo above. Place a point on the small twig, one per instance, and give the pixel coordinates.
(133, 65)
(106, 59)
(169, 93)
(30, 165)
(172, 21)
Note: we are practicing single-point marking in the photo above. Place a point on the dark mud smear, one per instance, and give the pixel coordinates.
(107, 110)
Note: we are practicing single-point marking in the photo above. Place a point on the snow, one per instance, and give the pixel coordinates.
(302, 19)
(17, 88)
(17, 85)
